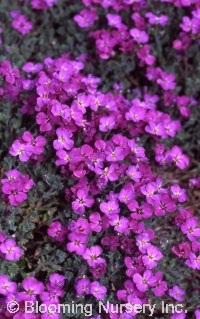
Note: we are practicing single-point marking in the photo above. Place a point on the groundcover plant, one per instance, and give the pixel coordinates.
(100, 179)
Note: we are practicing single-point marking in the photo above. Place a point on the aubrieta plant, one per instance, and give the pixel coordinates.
(91, 207)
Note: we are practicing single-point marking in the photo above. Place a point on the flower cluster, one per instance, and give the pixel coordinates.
(27, 147)
(16, 186)
(32, 290)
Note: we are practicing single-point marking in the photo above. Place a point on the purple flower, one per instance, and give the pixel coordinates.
(16, 187)
(166, 81)
(120, 224)
(21, 24)
(136, 114)
(134, 173)
(178, 193)
(176, 293)
(155, 129)
(114, 20)
(193, 261)
(139, 36)
(160, 285)
(82, 201)
(107, 123)
(164, 204)
(142, 282)
(22, 150)
(11, 251)
(64, 139)
(153, 19)
(92, 254)
(57, 231)
(97, 290)
(183, 250)
(110, 208)
(30, 67)
(197, 313)
(190, 228)
(177, 156)
(114, 154)
(83, 286)
(86, 18)
(142, 241)
(57, 280)
(77, 243)
(6, 286)
(32, 287)
(153, 255)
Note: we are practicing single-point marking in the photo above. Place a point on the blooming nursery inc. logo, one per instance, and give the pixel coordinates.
(32, 307)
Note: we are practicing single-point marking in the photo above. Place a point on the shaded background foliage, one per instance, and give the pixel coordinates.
(54, 33)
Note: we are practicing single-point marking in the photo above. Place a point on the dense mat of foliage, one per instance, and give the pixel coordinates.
(100, 178)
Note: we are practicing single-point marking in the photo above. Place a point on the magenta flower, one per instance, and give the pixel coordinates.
(136, 114)
(21, 24)
(149, 190)
(83, 286)
(153, 255)
(176, 293)
(142, 241)
(86, 18)
(57, 280)
(153, 19)
(134, 173)
(36, 144)
(64, 139)
(82, 201)
(6, 286)
(44, 121)
(11, 251)
(97, 290)
(164, 204)
(197, 313)
(107, 123)
(183, 250)
(114, 20)
(92, 254)
(193, 261)
(30, 67)
(166, 81)
(114, 154)
(24, 151)
(15, 192)
(110, 208)
(178, 193)
(142, 282)
(155, 129)
(120, 224)
(140, 212)
(32, 287)
(190, 228)
(177, 156)
(57, 231)
(77, 243)
(12, 175)
(160, 286)
(126, 194)
(139, 36)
